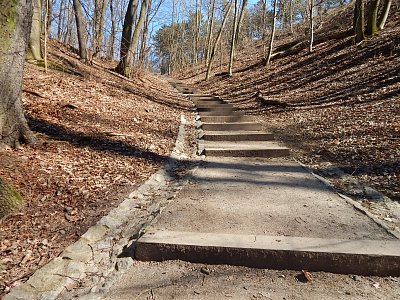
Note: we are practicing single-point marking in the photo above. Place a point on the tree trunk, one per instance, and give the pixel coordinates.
(143, 45)
(113, 32)
(210, 32)
(126, 38)
(311, 19)
(212, 54)
(241, 17)
(271, 40)
(233, 40)
(99, 14)
(384, 14)
(15, 22)
(49, 16)
(33, 51)
(372, 26)
(60, 21)
(81, 30)
(358, 21)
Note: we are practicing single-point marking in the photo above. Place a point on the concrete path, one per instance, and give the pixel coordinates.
(250, 204)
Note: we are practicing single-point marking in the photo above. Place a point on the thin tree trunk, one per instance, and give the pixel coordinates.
(143, 46)
(60, 21)
(271, 40)
(291, 15)
(384, 14)
(15, 24)
(311, 19)
(358, 21)
(113, 32)
(241, 17)
(45, 33)
(81, 30)
(212, 54)
(233, 40)
(210, 32)
(49, 17)
(33, 51)
(372, 26)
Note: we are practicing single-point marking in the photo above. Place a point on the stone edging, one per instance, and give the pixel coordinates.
(102, 250)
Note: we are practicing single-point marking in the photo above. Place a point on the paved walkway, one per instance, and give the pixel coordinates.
(250, 204)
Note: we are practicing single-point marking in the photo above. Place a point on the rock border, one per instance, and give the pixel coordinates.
(90, 264)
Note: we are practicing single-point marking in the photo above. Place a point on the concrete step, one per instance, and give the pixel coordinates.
(209, 102)
(220, 110)
(213, 104)
(202, 97)
(251, 126)
(220, 113)
(244, 149)
(237, 136)
(227, 119)
(344, 256)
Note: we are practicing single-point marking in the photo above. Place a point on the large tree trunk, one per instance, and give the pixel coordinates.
(15, 22)
(126, 38)
(81, 30)
(33, 51)
(358, 21)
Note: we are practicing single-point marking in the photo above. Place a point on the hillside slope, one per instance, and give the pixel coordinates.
(343, 101)
(99, 135)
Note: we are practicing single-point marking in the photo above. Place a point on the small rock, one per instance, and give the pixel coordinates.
(356, 277)
(282, 276)
(205, 271)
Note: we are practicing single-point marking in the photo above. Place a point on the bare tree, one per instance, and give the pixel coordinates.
(81, 30)
(212, 54)
(271, 40)
(33, 51)
(233, 40)
(358, 21)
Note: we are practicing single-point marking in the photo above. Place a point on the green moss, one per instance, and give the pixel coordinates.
(8, 22)
(10, 199)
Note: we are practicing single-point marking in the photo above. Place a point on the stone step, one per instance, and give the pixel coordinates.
(227, 119)
(214, 105)
(220, 113)
(343, 256)
(220, 110)
(209, 102)
(251, 126)
(244, 149)
(202, 97)
(237, 136)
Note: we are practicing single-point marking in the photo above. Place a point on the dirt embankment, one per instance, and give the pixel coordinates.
(342, 100)
(99, 135)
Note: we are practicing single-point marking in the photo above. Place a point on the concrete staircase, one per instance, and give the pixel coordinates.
(228, 132)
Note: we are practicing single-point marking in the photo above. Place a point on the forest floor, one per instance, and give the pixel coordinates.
(99, 135)
(342, 105)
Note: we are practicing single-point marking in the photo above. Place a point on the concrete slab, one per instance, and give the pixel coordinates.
(221, 109)
(220, 113)
(237, 136)
(256, 196)
(361, 257)
(248, 149)
(228, 119)
(234, 126)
